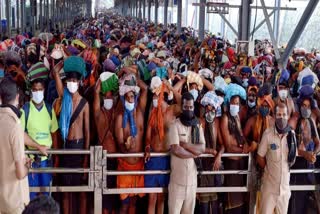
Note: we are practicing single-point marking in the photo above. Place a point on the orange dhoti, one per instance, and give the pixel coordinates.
(130, 181)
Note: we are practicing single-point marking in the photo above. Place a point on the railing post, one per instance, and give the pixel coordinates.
(251, 184)
(98, 180)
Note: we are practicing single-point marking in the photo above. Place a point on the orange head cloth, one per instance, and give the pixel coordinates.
(262, 123)
(156, 117)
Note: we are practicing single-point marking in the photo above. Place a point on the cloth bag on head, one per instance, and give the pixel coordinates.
(109, 82)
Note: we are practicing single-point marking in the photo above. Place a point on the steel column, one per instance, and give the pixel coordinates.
(179, 14)
(18, 16)
(274, 43)
(144, 9)
(298, 30)
(244, 20)
(149, 10)
(202, 19)
(276, 20)
(165, 11)
(156, 5)
(137, 8)
(8, 17)
(40, 16)
(140, 7)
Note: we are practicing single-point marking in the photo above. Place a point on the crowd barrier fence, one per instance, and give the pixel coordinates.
(98, 172)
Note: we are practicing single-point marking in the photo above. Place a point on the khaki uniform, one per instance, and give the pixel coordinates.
(275, 189)
(14, 193)
(183, 177)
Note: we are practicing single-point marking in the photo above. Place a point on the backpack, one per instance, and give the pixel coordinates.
(26, 109)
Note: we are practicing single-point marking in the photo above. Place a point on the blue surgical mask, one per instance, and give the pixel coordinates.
(245, 83)
(129, 106)
(264, 111)
(1, 73)
(194, 93)
(234, 110)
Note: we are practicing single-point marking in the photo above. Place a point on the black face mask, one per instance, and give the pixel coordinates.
(188, 115)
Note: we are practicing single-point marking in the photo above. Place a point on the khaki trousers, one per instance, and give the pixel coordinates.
(18, 210)
(273, 203)
(182, 199)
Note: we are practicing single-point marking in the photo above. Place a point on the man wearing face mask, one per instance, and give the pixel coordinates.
(245, 73)
(104, 117)
(308, 148)
(186, 140)
(40, 124)
(250, 109)
(74, 127)
(276, 154)
(209, 201)
(235, 142)
(283, 93)
(254, 130)
(257, 124)
(160, 117)
(129, 124)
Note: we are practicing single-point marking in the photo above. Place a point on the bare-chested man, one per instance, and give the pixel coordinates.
(209, 201)
(129, 125)
(234, 143)
(104, 118)
(308, 148)
(161, 116)
(74, 127)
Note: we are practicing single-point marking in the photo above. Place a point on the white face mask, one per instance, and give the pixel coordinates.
(234, 110)
(155, 103)
(108, 103)
(129, 106)
(194, 93)
(72, 87)
(37, 96)
(283, 94)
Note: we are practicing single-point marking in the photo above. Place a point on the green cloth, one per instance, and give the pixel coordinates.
(109, 82)
(75, 64)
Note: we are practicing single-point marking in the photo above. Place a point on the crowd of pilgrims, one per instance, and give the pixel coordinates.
(119, 82)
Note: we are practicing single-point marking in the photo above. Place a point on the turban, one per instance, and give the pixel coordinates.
(266, 98)
(108, 65)
(210, 98)
(234, 90)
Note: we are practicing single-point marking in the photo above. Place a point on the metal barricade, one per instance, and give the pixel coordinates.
(98, 172)
(93, 172)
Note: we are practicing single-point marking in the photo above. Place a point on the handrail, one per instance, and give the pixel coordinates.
(156, 154)
(62, 170)
(163, 172)
(60, 152)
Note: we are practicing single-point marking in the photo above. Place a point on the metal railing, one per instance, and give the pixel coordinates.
(98, 172)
